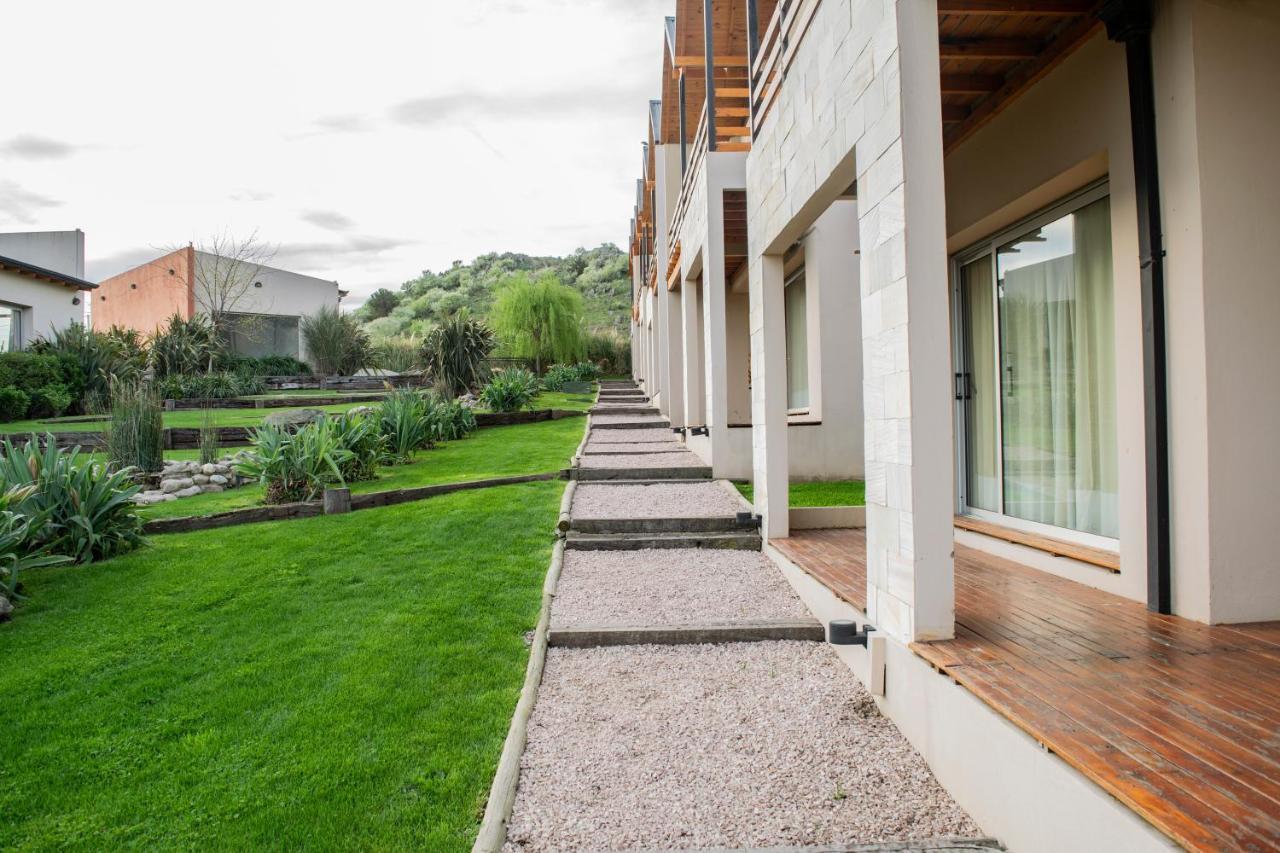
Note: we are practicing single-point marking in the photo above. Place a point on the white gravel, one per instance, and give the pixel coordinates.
(675, 459)
(626, 419)
(631, 436)
(660, 500)
(670, 587)
(735, 745)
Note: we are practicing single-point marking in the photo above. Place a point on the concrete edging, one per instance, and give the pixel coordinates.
(745, 631)
(502, 793)
(815, 517)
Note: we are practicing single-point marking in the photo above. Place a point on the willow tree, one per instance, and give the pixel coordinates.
(539, 318)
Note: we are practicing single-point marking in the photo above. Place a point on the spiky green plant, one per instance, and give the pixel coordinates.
(210, 447)
(18, 537)
(135, 435)
(336, 345)
(510, 390)
(185, 346)
(454, 352)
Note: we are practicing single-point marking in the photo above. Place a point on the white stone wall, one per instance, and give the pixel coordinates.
(42, 305)
(861, 100)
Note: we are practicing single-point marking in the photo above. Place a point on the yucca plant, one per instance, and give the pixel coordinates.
(135, 436)
(18, 535)
(185, 346)
(454, 352)
(510, 390)
(88, 507)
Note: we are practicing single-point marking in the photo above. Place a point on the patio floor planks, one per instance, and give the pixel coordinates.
(1178, 720)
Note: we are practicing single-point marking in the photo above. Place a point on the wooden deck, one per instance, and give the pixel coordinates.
(1179, 721)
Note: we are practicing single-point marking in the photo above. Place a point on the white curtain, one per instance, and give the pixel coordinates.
(795, 307)
(1058, 378)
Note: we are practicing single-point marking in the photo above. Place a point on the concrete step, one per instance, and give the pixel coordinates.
(745, 631)
(622, 399)
(662, 424)
(738, 541)
(682, 472)
(703, 524)
(608, 409)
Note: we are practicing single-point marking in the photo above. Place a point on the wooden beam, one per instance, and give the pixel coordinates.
(971, 84)
(989, 48)
(1049, 58)
(954, 112)
(1014, 7)
(720, 62)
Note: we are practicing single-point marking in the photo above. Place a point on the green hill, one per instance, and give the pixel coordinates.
(600, 274)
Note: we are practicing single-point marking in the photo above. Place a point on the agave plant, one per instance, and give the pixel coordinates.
(454, 352)
(18, 534)
(87, 507)
(296, 466)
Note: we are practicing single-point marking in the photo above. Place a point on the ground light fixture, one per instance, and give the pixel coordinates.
(844, 632)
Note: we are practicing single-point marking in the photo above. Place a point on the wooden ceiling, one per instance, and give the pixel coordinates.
(735, 232)
(994, 50)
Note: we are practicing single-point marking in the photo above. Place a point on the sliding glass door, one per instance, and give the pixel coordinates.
(1036, 384)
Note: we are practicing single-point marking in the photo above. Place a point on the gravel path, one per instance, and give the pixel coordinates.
(675, 459)
(671, 587)
(660, 500)
(626, 419)
(631, 436)
(736, 745)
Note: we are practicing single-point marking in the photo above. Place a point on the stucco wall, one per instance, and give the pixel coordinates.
(144, 298)
(59, 251)
(43, 306)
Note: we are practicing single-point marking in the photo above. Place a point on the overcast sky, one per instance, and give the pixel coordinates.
(368, 140)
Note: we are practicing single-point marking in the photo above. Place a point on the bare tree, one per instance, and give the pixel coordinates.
(226, 269)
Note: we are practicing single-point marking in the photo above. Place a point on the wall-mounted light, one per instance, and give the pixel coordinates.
(171, 271)
(103, 298)
(257, 284)
(75, 300)
(133, 286)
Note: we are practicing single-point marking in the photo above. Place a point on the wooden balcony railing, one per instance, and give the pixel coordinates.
(696, 157)
(778, 43)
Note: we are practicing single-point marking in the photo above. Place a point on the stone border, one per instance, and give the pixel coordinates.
(307, 509)
(502, 793)
(743, 631)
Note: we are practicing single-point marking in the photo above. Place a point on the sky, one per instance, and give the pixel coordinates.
(365, 141)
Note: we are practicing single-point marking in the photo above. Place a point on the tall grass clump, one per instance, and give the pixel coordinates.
(336, 344)
(454, 352)
(403, 420)
(397, 354)
(510, 390)
(210, 447)
(135, 436)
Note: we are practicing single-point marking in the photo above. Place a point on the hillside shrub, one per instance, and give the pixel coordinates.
(88, 506)
(14, 403)
(510, 390)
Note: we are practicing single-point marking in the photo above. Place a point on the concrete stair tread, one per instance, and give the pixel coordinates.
(741, 540)
(735, 631)
(680, 472)
(675, 524)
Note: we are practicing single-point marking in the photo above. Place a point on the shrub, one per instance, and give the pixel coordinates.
(88, 508)
(90, 359)
(18, 533)
(185, 346)
(453, 419)
(611, 351)
(219, 385)
(335, 342)
(298, 466)
(403, 420)
(360, 435)
(135, 436)
(14, 403)
(510, 390)
(557, 375)
(264, 365)
(51, 400)
(43, 378)
(585, 371)
(454, 352)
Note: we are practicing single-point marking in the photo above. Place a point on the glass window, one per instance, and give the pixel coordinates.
(796, 307)
(1048, 345)
(10, 328)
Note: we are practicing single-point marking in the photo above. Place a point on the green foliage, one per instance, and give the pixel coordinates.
(610, 350)
(18, 535)
(510, 390)
(454, 352)
(135, 436)
(451, 420)
(557, 375)
(380, 303)
(399, 354)
(403, 421)
(210, 447)
(219, 385)
(335, 342)
(362, 436)
(90, 359)
(185, 346)
(46, 379)
(14, 403)
(539, 318)
(88, 506)
(263, 365)
(296, 466)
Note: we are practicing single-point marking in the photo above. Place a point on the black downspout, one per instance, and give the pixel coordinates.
(753, 34)
(1129, 22)
(684, 142)
(709, 59)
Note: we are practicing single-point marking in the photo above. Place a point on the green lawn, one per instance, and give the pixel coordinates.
(491, 452)
(337, 682)
(194, 418)
(822, 493)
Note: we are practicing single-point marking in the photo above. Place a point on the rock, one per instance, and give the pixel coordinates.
(168, 498)
(6, 609)
(469, 400)
(362, 411)
(293, 417)
(210, 487)
(221, 468)
(189, 491)
(200, 479)
(174, 484)
(208, 468)
(218, 480)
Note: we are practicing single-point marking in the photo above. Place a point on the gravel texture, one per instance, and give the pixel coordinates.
(734, 745)
(626, 419)
(660, 500)
(631, 436)
(675, 459)
(670, 587)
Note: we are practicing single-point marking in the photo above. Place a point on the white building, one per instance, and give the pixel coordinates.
(42, 286)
